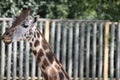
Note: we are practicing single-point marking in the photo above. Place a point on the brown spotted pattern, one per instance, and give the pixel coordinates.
(37, 43)
(39, 55)
(61, 76)
(35, 52)
(30, 44)
(34, 34)
(46, 58)
(38, 35)
(32, 39)
(45, 62)
(44, 45)
(53, 74)
(50, 57)
(43, 67)
(45, 75)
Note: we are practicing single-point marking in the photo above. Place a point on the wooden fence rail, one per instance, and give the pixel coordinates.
(88, 50)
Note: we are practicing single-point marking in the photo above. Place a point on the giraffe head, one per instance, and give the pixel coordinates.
(22, 27)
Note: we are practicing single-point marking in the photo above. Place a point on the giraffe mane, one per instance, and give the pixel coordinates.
(25, 12)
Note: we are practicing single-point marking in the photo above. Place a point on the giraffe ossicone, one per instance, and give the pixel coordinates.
(24, 27)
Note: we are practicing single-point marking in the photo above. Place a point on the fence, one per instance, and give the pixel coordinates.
(86, 49)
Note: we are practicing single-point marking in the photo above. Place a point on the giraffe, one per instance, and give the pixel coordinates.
(24, 27)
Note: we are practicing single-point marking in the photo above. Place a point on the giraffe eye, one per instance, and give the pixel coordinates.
(25, 26)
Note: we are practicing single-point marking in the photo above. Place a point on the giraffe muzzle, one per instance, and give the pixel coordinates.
(6, 39)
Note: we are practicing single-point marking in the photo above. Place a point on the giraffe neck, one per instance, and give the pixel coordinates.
(50, 67)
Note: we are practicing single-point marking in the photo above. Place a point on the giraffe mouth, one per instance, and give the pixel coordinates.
(6, 40)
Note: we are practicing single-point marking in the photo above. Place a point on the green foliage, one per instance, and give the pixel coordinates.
(71, 9)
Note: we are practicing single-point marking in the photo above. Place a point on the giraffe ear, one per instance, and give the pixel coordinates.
(36, 19)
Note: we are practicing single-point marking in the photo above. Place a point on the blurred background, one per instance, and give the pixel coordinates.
(65, 9)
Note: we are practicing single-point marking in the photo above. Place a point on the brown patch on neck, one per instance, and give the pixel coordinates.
(45, 75)
(35, 34)
(44, 43)
(32, 39)
(30, 44)
(65, 73)
(53, 74)
(45, 62)
(37, 43)
(35, 52)
(50, 57)
(38, 35)
(39, 55)
(43, 66)
(61, 76)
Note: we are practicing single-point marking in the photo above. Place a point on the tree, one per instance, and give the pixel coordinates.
(65, 9)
